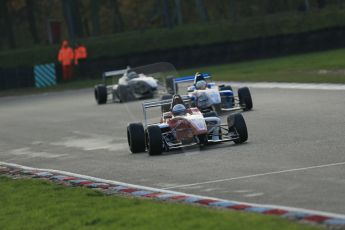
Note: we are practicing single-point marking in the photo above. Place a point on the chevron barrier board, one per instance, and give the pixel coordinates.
(45, 75)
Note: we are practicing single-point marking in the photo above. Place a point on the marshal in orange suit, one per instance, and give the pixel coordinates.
(66, 57)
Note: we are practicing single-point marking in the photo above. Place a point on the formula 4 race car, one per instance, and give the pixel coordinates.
(142, 82)
(209, 96)
(131, 86)
(183, 126)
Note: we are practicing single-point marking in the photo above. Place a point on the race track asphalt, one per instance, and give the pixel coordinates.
(295, 155)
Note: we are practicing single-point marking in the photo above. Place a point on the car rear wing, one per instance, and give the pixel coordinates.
(114, 73)
(190, 78)
(153, 104)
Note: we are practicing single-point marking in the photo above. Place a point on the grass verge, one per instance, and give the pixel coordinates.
(36, 204)
(318, 67)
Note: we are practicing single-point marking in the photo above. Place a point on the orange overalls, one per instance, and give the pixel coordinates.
(79, 53)
(65, 57)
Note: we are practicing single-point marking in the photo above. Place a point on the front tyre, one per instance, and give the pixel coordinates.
(136, 137)
(245, 98)
(154, 140)
(203, 141)
(101, 94)
(237, 125)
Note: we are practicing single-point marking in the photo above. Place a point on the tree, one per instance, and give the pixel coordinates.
(117, 17)
(321, 3)
(95, 17)
(178, 10)
(233, 10)
(30, 7)
(76, 6)
(270, 6)
(306, 5)
(219, 10)
(73, 18)
(202, 11)
(8, 25)
(166, 14)
(67, 11)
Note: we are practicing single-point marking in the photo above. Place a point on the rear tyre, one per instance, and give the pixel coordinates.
(101, 94)
(245, 98)
(154, 140)
(136, 137)
(166, 108)
(237, 125)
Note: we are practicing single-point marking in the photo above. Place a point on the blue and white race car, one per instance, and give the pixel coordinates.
(210, 96)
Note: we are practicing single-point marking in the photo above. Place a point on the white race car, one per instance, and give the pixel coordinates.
(131, 86)
(215, 97)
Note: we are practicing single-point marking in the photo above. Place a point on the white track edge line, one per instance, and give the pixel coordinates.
(287, 85)
(290, 209)
(257, 175)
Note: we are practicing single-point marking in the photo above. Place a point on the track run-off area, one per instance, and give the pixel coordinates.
(295, 154)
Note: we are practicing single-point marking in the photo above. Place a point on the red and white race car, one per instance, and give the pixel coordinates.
(183, 126)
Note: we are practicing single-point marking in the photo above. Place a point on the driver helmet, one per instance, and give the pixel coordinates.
(132, 74)
(201, 84)
(179, 110)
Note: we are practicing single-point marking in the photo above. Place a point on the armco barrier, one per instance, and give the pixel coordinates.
(13, 78)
